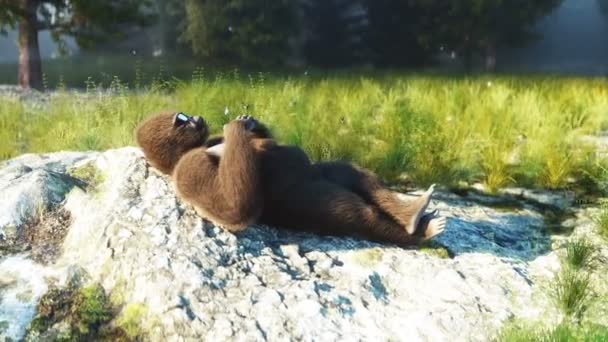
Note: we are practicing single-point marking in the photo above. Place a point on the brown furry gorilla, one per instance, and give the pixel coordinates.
(245, 177)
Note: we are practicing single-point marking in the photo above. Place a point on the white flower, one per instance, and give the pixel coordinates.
(226, 111)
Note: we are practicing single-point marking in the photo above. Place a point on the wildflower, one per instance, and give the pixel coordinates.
(226, 111)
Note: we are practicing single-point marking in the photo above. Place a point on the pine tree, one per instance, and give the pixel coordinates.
(334, 32)
(254, 32)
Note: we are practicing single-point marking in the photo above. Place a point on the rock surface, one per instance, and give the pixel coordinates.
(125, 228)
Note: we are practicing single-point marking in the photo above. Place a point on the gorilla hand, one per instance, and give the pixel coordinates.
(251, 124)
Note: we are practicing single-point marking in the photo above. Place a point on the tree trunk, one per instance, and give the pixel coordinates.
(30, 68)
(491, 57)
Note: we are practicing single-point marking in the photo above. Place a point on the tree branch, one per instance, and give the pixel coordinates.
(13, 7)
(41, 25)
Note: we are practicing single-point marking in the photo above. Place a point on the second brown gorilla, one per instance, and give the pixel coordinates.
(245, 177)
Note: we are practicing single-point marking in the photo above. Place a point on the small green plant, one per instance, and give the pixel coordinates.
(495, 168)
(558, 166)
(601, 220)
(130, 319)
(572, 292)
(91, 309)
(84, 310)
(581, 254)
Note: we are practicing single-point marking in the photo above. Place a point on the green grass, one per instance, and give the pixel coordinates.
(601, 221)
(572, 292)
(498, 130)
(581, 254)
(561, 333)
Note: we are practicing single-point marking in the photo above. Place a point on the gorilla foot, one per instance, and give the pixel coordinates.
(435, 227)
(418, 207)
(431, 225)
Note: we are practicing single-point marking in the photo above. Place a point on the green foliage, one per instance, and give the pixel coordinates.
(581, 254)
(247, 31)
(90, 309)
(84, 310)
(601, 220)
(479, 26)
(130, 319)
(434, 129)
(402, 32)
(518, 332)
(87, 21)
(572, 292)
(334, 27)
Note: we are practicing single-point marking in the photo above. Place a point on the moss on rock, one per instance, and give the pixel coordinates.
(89, 174)
(75, 314)
(435, 250)
(130, 319)
(368, 257)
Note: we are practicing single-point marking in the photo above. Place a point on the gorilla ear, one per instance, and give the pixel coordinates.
(180, 119)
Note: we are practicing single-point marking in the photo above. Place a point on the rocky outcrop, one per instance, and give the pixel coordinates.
(169, 275)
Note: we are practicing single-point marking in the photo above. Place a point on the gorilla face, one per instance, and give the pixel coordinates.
(182, 121)
(166, 136)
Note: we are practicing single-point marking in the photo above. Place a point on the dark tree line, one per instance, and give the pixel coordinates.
(334, 33)
(270, 33)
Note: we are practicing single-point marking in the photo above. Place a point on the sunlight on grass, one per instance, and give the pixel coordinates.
(518, 131)
(561, 333)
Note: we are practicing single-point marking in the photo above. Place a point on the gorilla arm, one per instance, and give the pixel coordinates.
(226, 190)
(261, 140)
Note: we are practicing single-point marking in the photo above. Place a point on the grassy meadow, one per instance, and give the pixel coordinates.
(498, 130)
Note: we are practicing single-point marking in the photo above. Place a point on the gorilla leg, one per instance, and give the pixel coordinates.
(326, 208)
(367, 185)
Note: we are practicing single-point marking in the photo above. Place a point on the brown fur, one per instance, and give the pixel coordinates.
(257, 180)
(163, 145)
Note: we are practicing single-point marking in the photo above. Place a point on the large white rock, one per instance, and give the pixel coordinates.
(197, 282)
